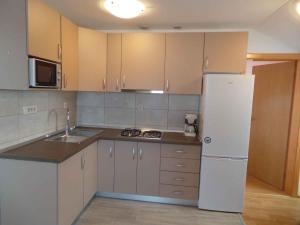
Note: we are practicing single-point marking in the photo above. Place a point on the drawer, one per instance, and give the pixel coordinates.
(180, 165)
(180, 192)
(180, 151)
(183, 179)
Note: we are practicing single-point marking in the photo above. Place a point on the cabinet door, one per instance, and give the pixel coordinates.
(125, 167)
(184, 59)
(13, 45)
(106, 166)
(90, 172)
(69, 35)
(43, 31)
(225, 52)
(70, 189)
(143, 60)
(148, 169)
(114, 61)
(92, 60)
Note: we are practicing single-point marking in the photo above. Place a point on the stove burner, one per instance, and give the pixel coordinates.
(128, 132)
(152, 134)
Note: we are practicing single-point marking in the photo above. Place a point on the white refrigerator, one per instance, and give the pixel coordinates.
(225, 120)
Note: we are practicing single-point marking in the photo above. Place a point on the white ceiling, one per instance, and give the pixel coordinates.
(164, 14)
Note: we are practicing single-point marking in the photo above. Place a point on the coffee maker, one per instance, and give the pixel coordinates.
(191, 125)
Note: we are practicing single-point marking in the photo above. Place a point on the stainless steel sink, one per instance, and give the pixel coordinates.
(75, 136)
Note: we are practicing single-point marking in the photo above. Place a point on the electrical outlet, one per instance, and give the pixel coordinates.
(29, 109)
(65, 105)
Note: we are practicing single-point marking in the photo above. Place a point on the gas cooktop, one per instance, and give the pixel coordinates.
(138, 133)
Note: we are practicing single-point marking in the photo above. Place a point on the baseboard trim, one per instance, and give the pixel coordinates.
(144, 198)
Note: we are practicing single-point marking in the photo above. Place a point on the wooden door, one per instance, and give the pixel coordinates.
(13, 45)
(43, 31)
(143, 60)
(69, 37)
(90, 172)
(270, 121)
(125, 167)
(106, 166)
(114, 62)
(184, 62)
(70, 189)
(225, 52)
(148, 169)
(92, 60)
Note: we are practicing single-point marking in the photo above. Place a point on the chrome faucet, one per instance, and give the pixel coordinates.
(68, 126)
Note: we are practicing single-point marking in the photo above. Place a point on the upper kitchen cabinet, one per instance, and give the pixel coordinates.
(13, 46)
(225, 52)
(43, 31)
(69, 37)
(114, 62)
(92, 60)
(184, 63)
(143, 60)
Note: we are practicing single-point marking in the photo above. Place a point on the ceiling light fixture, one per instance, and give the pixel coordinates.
(298, 8)
(124, 9)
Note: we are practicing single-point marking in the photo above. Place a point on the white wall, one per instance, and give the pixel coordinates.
(279, 33)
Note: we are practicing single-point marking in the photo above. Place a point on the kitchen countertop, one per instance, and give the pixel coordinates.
(57, 152)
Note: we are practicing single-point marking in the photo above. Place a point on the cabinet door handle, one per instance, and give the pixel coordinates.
(82, 163)
(110, 152)
(65, 81)
(133, 153)
(167, 85)
(141, 153)
(180, 151)
(178, 192)
(180, 165)
(206, 63)
(117, 86)
(124, 81)
(179, 179)
(58, 51)
(104, 84)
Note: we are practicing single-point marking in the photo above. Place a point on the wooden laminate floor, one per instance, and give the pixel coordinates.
(265, 205)
(104, 211)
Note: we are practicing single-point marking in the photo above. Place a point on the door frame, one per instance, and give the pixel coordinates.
(292, 168)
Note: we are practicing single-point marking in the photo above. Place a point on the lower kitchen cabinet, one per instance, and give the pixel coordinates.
(125, 167)
(106, 165)
(43, 193)
(70, 189)
(129, 167)
(90, 172)
(77, 184)
(148, 169)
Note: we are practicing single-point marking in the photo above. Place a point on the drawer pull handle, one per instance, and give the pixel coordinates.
(110, 152)
(178, 192)
(180, 151)
(133, 153)
(180, 165)
(179, 179)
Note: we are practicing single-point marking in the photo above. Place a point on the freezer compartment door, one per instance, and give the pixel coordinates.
(226, 115)
(222, 184)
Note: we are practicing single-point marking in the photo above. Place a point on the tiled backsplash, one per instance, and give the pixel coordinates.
(160, 111)
(16, 127)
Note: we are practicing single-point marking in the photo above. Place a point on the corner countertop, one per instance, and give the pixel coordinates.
(57, 152)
